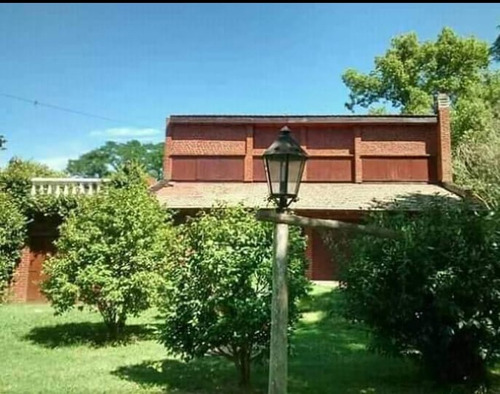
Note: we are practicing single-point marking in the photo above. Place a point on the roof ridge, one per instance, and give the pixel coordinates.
(303, 119)
(301, 116)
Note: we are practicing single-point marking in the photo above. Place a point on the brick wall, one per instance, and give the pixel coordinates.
(19, 285)
(360, 149)
(444, 163)
(25, 285)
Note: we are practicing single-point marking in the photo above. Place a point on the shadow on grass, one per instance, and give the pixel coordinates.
(329, 355)
(322, 299)
(207, 375)
(91, 334)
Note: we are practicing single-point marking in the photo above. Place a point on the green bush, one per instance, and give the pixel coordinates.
(435, 292)
(15, 179)
(112, 251)
(12, 236)
(220, 298)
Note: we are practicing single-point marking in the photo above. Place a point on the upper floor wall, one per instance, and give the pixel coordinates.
(340, 148)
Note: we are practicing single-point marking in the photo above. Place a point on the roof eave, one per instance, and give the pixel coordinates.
(309, 119)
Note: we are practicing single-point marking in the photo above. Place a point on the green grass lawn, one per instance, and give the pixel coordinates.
(41, 353)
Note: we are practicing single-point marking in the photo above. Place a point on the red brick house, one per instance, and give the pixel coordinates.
(352, 161)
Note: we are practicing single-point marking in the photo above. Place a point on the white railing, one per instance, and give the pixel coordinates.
(66, 186)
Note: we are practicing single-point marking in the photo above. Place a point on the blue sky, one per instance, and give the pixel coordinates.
(137, 64)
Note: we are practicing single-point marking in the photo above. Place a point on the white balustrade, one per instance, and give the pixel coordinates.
(66, 186)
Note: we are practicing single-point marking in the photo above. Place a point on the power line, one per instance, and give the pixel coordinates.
(73, 111)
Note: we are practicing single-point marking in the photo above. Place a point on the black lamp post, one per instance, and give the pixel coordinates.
(284, 163)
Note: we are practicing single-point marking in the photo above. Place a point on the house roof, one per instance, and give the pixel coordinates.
(312, 196)
(300, 119)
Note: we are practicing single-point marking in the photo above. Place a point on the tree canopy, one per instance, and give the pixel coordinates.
(410, 73)
(103, 161)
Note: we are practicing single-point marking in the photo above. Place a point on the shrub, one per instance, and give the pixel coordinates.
(12, 235)
(220, 299)
(111, 253)
(15, 179)
(433, 293)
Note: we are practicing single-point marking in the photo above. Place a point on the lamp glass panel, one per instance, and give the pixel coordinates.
(295, 168)
(277, 172)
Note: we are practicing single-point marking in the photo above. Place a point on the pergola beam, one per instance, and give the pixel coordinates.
(294, 220)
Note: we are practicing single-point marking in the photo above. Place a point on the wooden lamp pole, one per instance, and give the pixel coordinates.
(278, 360)
(284, 163)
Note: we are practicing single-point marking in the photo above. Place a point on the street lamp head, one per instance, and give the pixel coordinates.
(284, 163)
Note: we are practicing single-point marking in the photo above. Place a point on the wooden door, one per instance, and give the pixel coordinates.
(323, 265)
(41, 247)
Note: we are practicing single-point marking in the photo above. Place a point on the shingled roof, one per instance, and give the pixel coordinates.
(313, 196)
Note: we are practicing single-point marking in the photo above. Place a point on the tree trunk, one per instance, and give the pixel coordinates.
(112, 328)
(114, 324)
(243, 366)
(121, 325)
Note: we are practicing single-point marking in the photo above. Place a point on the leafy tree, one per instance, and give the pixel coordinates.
(495, 48)
(477, 156)
(12, 236)
(112, 250)
(91, 164)
(220, 298)
(411, 73)
(377, 111)
(105, 160)
(477, 165)
(433, 294)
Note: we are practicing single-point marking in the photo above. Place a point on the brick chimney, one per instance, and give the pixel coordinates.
(444, 163)
(167, 161)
